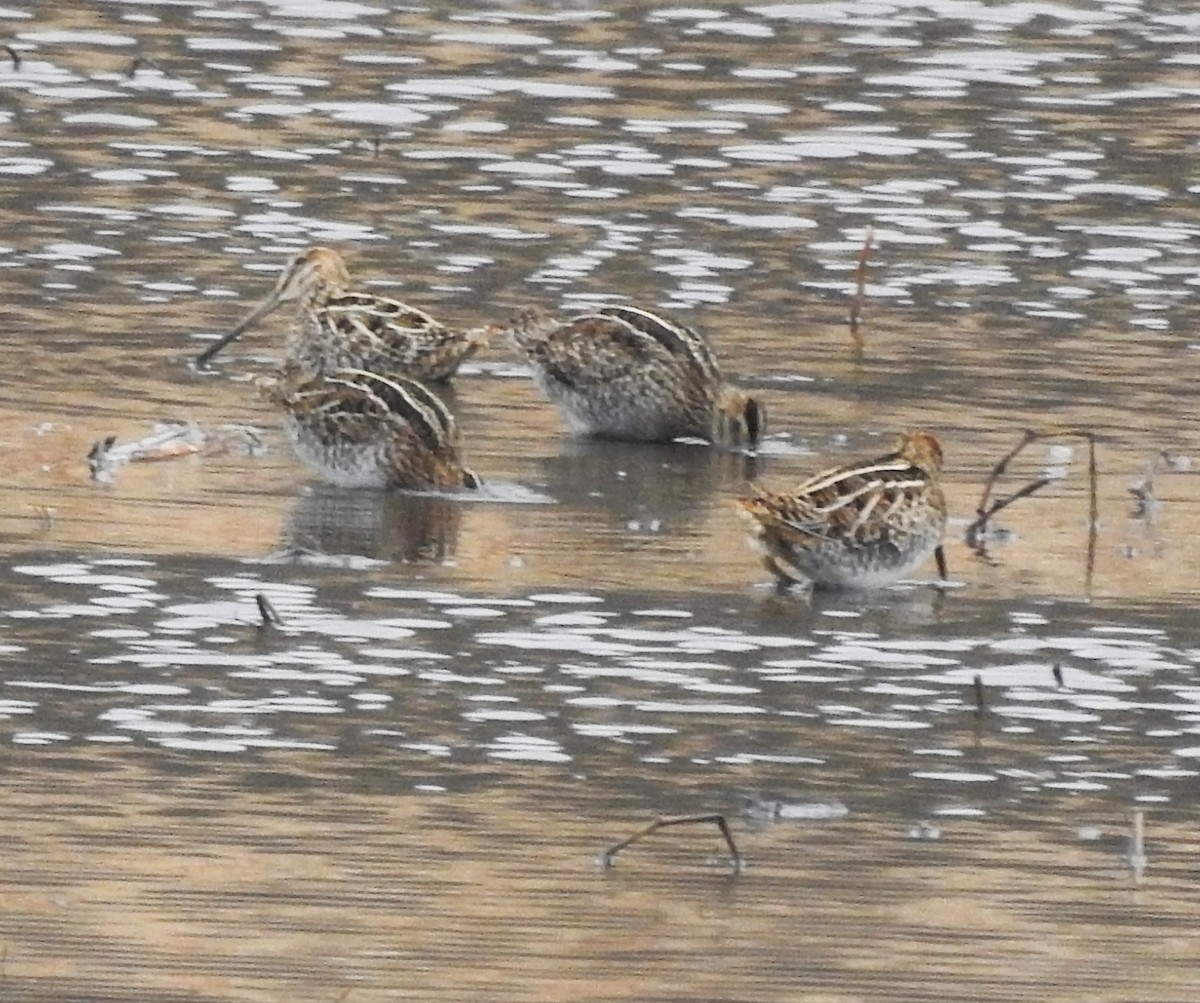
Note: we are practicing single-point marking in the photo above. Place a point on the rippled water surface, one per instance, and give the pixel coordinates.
(400, 791)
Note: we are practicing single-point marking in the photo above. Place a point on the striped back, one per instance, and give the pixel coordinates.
(680, 341)
(409, 400)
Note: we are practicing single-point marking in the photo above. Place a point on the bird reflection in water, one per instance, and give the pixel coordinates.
(379, 525)
(672, 483)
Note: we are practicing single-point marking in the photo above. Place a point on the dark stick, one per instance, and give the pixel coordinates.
(999, 468)
(140, 62)
(977, 529)
(14, 55)
(1093, 515)
(97, 457)
(860, 286)
(980, 701)
(270, 616)
(609, 856)
(984, 511)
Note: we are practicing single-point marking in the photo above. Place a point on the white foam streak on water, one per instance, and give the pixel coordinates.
(760, 221)
(664, 675)
(884, 724)
(873, 656)
(11, 707)
(564, 598)
(556, 642)
(527, 748)
(217, 44)
(679, 707)
(620, 731)
(1058, 715)
(571, 620)
(39, 737)
(25, 165)
(956, 777)
(898, 689)
(357, 630)
(492, 37)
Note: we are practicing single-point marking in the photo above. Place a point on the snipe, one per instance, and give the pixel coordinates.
(624, 373)
(360, 429)
(340, 327)
(862, 525)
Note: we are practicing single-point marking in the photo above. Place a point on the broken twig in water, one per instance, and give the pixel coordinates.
(1093, 509)
(608, 857)
(141, 63)
(97, 457)
(270, 616)
(977, 531)
(168, 441)
(1145, 502)
(980, 696)
(860, 286)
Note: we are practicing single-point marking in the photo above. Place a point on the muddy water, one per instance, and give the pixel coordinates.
(402, 790)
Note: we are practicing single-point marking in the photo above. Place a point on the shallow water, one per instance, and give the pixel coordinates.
(401, 791)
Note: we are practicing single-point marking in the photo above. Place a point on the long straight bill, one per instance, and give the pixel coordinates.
(247, 322)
